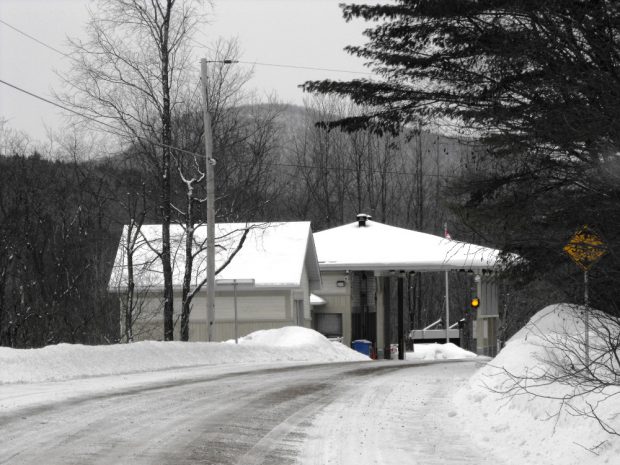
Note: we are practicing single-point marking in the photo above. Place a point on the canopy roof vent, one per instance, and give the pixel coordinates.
(362, 218)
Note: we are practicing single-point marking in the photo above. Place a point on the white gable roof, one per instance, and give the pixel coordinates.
(273, 255)
(377, 246)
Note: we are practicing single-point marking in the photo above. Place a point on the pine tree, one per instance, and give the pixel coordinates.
(537, 82)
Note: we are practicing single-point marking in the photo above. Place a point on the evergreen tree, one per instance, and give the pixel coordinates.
(538, 83)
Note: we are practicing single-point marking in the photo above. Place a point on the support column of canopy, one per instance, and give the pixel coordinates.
(487, 317)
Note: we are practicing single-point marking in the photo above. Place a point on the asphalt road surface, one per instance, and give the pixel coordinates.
(350, 413)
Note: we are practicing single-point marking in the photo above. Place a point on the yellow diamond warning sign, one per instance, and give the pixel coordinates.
(585, 248)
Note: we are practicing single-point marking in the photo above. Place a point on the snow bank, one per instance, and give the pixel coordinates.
(303, 340)
(437, 351)
(545, 428)
(68, 361)
(292, 336)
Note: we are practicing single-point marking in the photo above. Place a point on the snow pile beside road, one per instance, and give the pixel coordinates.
(69, 361)
(545, 428)
(291, 336)
(436, 351)
(301, 339)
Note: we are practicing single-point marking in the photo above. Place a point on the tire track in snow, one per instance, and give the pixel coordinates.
(396, 417)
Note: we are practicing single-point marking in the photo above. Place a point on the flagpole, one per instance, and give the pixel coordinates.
(447, 308)
(447, 236)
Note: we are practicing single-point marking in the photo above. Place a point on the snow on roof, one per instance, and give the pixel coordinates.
(273, 255)
(378, 246)
(317, 301)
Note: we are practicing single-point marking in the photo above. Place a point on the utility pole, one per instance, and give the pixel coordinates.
(210, 178)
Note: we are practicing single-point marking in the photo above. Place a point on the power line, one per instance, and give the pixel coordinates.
(95, 120)
(74, 111)
(254, 63)
(44, 44)
(60, 52)
(188, 152)
(286, 65)
(159, 144)
(40, 42)
(313, 68)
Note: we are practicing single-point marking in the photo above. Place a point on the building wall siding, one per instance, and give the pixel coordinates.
(338, 300)
(250, 306)
(305, 294)
(255, 311)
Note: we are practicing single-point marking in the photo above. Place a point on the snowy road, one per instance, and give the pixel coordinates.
(347, 413)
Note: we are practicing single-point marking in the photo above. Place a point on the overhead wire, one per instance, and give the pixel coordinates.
(75, 112)
(189, 152)
(259, 63)
(95, 120)
(114, 130)
(287, 65)
(40, 42)
(312, 68)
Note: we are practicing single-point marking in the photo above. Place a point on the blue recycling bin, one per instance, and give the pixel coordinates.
(362, 345)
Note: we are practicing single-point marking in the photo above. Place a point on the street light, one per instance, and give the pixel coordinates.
(234, 283)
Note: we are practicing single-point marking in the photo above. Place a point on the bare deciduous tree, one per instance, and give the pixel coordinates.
(132, 73)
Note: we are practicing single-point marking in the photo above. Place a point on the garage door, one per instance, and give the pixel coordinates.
(329, 324)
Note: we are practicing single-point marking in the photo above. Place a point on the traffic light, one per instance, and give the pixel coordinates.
(475, 303)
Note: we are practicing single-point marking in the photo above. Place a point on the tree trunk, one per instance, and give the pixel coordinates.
(189, 264)
(130, 291)
(166, 135)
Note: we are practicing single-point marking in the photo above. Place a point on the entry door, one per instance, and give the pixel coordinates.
(299, 312)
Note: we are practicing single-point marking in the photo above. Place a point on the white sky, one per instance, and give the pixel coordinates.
(290, 32)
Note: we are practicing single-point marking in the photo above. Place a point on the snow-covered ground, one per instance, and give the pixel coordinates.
(286, 345)
(436, 351)
(520, 429)
(67, 371)
(67, 361)
(545, 428)
(32, 377)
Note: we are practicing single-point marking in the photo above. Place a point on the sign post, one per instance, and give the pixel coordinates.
(585, 248)
(248, 283)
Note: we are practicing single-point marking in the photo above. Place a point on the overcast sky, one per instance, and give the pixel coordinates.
(308, 33)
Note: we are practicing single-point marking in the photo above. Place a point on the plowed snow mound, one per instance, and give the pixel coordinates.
(72, 361)
(298, 338)
(291, 336)
(437, 351)
(554, 319)
(512, 406)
